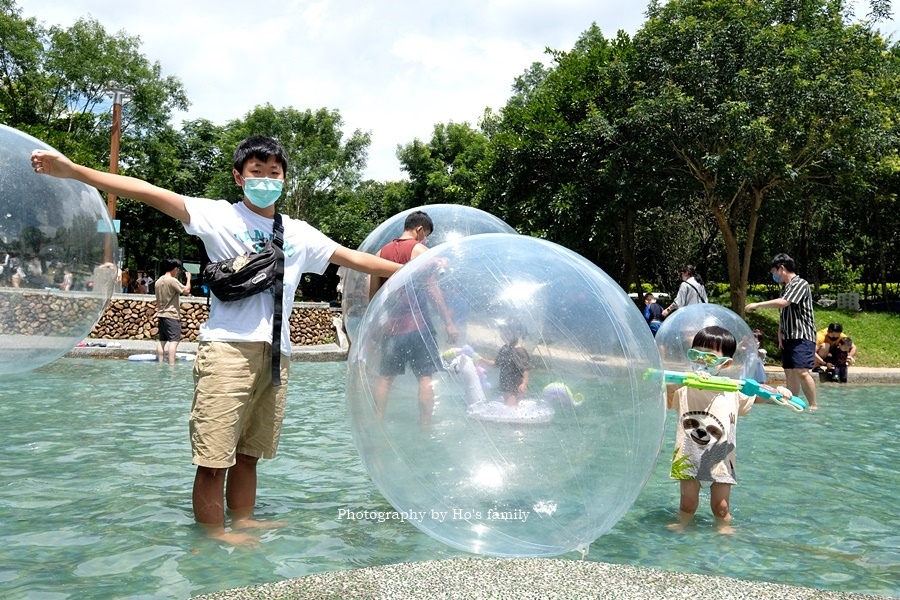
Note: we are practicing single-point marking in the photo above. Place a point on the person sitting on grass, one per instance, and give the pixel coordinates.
(841, 358)
(827, 340)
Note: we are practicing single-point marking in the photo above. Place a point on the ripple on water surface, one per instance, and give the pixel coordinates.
(97, 481)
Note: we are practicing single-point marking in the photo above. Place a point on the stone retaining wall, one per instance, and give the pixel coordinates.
(42, 313)
(133, 317)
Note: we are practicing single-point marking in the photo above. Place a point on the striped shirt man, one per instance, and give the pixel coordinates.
(796, 319)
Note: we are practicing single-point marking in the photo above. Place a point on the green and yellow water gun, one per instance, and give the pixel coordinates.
(748, 387)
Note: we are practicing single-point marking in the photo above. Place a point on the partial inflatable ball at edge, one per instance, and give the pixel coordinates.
(57, 249)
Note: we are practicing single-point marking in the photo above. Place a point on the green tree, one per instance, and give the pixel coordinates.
(53, 85)
(184, 161)
(20, 58)
(446, 169)
(561, 163)
(754, 99)
(321, 161)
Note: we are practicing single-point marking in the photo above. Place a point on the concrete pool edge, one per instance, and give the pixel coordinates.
(334, 353)
(117, 349)
(521, 578)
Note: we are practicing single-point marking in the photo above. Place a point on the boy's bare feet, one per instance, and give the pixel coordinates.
(684, 519)
(247, 523)
(233, 538)
(725, 529)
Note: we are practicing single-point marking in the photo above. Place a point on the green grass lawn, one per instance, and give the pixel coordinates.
(876, 335)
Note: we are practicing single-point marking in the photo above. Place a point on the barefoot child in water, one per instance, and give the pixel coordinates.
(705, 438)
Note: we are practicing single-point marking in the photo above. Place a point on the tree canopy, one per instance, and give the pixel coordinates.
(715, 112)
(720, 133)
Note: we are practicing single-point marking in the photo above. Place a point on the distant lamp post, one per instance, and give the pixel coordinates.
(118, 95)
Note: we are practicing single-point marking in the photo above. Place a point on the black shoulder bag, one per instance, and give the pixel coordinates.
(249, 274)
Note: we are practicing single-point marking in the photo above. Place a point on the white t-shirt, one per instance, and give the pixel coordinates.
(229, 230)
(706, 433)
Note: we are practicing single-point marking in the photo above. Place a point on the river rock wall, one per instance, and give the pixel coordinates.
(133, 317)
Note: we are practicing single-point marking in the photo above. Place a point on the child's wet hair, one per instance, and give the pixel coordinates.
(261, 148)
(715, 338)
(513, 326)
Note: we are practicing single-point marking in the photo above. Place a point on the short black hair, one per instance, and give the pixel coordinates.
(783, 260)
(649, 296)
(417, 219)
(715, 338)
(171, 263)
(835, 328)
(261, 148)
(845, 340)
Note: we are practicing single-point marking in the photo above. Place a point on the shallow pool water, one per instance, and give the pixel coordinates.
(95, 483)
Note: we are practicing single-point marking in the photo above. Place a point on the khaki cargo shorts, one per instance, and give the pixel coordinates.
(236, 409)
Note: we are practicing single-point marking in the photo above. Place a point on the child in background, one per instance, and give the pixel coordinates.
(652, 313)
(706, 429)
(512, 362)
(842, 360)
(758, 369)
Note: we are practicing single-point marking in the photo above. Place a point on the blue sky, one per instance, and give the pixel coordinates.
(391, 67)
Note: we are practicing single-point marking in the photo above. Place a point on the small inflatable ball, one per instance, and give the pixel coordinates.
(451, 222)
(57, 249)
(522, 426)
(676, 334)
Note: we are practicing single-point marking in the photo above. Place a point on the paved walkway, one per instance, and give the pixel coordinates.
(531, 578)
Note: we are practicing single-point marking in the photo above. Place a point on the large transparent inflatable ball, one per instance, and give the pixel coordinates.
(526, 427)
(451, 222)
(676, 334)
(57, 249)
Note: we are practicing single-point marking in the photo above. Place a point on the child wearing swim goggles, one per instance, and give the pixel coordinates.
(706, 434)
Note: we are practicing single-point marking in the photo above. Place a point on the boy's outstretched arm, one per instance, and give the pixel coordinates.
(46, 162)
(362, 261)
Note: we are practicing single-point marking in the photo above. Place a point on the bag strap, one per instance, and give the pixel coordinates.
(699, 295)
(278, 289)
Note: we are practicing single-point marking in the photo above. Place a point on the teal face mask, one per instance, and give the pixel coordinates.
(776, 278)
(262, 192)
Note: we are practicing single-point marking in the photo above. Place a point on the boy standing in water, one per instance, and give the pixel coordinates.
(237, 412)
(168, 307)
(706, 430)
(410, 339)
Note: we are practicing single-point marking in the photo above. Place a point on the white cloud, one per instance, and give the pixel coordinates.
(392, 67)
